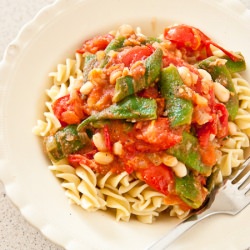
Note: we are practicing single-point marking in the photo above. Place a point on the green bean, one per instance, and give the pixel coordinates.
(127, 85)
(131, 108)
(179, 110)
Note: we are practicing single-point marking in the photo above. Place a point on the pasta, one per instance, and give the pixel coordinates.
(123, 136)
(91, 198)
(70, 181)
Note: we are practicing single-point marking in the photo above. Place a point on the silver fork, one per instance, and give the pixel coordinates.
(228, 198)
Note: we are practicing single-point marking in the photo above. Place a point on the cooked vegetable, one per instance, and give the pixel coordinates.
(235, 66)
(194, 40)
(115, 44)
(221, 74)
(128, 85)
(188, 153)
(95, 44)
(65, 142)
(132, 108)
(179, 110)
(67, 110)
(160, 178)
(190, 190)
(89, 62)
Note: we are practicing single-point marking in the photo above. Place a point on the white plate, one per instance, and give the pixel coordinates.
(51, 37)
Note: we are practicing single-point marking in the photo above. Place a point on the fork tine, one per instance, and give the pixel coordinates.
(243, 179)
(246, 189)
(243, 167)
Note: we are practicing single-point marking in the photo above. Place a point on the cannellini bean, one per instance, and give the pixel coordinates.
(185, 75)
(100, 55)
(99, 141)
(114, 75)
(169, 160)
(194, 78)
(103, 158)
(117, 148)
(180, 170)
(126, 30)
(199, 100)
(205, 75)
(87, 88)
(221, 93)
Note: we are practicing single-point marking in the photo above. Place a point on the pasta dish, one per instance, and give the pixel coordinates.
(144, 125)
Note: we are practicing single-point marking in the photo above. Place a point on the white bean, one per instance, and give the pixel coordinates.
(180, 170)
(205, 75)
(200, 100)
(117, 148)
(99, 141)
(114, 75)
(103, 158)
(169, 160)
(221, 93)
(87, 88)
(100, 55)
(126, 30)
(185, 75)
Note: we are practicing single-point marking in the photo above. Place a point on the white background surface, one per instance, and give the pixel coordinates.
(15, 232)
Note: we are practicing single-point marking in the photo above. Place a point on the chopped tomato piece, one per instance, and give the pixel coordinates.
(134, 54)
(160, 178)
(184, 36)
(208, 154)
(95, 44)
(222, 124)
(134, 161)
(207, 130)
(150, 92)
(100, 97)
(170, 59)
(69, 111)
(192, 39)
(158, 133)
(217, 126)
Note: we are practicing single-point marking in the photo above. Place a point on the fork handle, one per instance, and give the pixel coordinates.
(166, 240)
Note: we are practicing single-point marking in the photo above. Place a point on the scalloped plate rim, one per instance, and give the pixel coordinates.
(37, 22)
